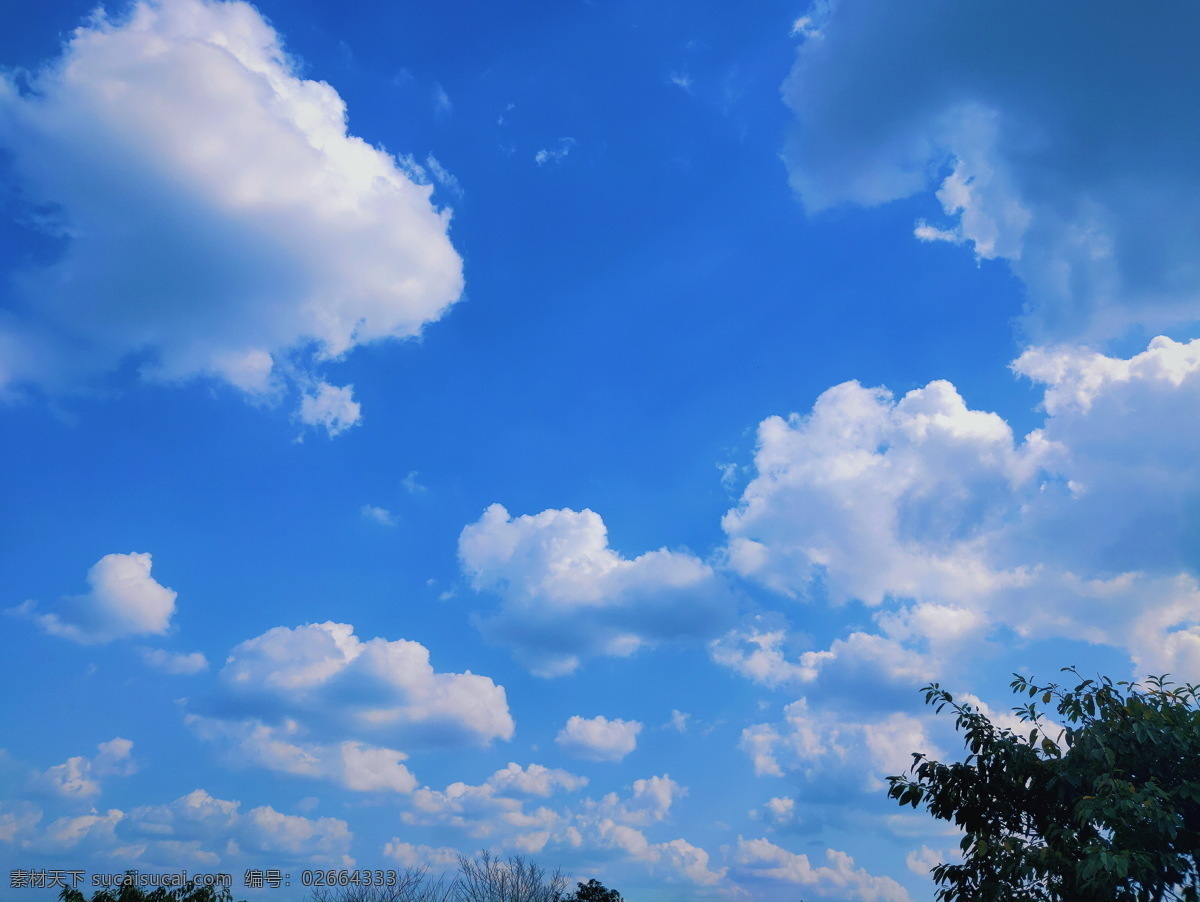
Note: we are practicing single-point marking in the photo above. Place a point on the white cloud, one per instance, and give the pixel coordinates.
(495, 809)
(265, 830)
(598, 738)
(380, 515)
(18, 821)
(1093, 202)
(437, 858)
(935, 514)
(124, 600)
(257, 238)
(411, 485)
(326, 675)
(330, 407)
(566, 594)
(178, 663)
(78, 778)
(679, 721)
(288, 748)
(880, 497)
(535, 780)
(762, 860)
(311, 700)
(444, 178)
(830, 747)
(196, 830)
(493, 813)
(554, 155)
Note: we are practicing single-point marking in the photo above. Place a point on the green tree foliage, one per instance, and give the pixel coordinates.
(130, 892)
(594, 891)
(1108, 811)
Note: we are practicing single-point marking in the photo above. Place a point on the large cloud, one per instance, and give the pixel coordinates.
(1061, 138)
(215, 215)
(313, 699)
(124, 600)
(567, 594)
(934, 513)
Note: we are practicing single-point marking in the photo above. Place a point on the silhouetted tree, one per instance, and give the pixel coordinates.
(594, 891)
(131, 892)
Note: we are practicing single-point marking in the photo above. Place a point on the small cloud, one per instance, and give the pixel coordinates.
(555, 155)
(812, 24)
(441, 101)
(598, 738)
(502, 119)
(679, 721)
(410, 484)
(729, 475)
(380, 515)
(925, 232)
(680, 80)
(176, 663)
(332, 407)
(444, 178)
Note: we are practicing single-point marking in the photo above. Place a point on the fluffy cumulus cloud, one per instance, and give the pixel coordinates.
(566, 594)
(598, 738)
(876, 496)
(1075, 167)
(214, 215)
(123, 600)
(761, 861)
(937, 516)
(306, 700)
(495, 810)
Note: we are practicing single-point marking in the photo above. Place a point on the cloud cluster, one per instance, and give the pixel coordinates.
(216, 217)
(495, 811)
(301, 700)
(759, 860)
(1075, 167)
(123, 600)
(935, 514)
(567, 595)
(78, 778)
(195, 830)
(825, 744)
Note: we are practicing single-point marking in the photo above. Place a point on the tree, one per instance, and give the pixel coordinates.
(1109, 811)
(411, 885)
(594, 891)
(131, 892)
(488, 879)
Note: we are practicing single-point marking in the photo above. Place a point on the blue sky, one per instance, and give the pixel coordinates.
(577, 430)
